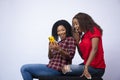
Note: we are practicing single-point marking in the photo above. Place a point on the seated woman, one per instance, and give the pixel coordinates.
(88, 36)
(60, 53)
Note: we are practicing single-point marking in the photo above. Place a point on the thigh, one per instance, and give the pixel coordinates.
(96, 72)
(37, 70)
(77, 70)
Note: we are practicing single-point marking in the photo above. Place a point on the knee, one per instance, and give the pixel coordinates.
(23, 68)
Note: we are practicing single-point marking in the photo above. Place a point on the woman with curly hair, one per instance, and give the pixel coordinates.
(60, 53)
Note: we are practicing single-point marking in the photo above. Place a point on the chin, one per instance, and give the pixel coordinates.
(62, 37)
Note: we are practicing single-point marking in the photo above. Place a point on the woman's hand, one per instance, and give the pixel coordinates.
(76, 35)
(66, 69)
(86, 73)
(53, 46)
(91, 56)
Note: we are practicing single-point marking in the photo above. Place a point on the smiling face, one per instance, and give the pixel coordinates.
(61, 31)
(76, 25)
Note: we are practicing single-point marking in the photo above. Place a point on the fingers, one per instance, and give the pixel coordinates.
(86, 74)
(82, 75)
(54, 45)
(66, 69)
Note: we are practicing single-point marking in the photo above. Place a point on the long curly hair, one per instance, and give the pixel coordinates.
(67, 26)
(86, 22)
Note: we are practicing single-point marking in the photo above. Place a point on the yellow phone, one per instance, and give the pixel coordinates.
(51, 39)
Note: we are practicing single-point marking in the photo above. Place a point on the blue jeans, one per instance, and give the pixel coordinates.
(30, 71)
(77, 70)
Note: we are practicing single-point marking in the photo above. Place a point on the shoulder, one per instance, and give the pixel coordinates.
(96, 29)
(96, 32)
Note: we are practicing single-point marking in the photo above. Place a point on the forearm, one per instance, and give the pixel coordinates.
(93, 50)
(91, 57)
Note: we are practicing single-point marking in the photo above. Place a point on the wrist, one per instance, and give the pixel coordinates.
(86, 66)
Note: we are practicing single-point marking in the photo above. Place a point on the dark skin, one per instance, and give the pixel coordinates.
(93, 50)
(77, 34)
(61, 31)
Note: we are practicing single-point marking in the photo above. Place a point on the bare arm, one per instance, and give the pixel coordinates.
(93, 50)
(91, 57)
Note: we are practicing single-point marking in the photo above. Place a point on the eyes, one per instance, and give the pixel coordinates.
(75, 22)
(61, 29)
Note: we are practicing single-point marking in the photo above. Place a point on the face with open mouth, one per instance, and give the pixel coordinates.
(76, 25)
(61, 31)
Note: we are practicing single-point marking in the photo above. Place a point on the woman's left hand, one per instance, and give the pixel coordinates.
(86, 73)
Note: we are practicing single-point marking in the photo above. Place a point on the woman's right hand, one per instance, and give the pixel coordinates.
(50, 46)
(76, 35)
(53, 46)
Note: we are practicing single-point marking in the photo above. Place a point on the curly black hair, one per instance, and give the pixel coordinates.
(64, 23)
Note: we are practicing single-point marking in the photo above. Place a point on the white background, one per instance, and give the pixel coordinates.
(26, 24)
